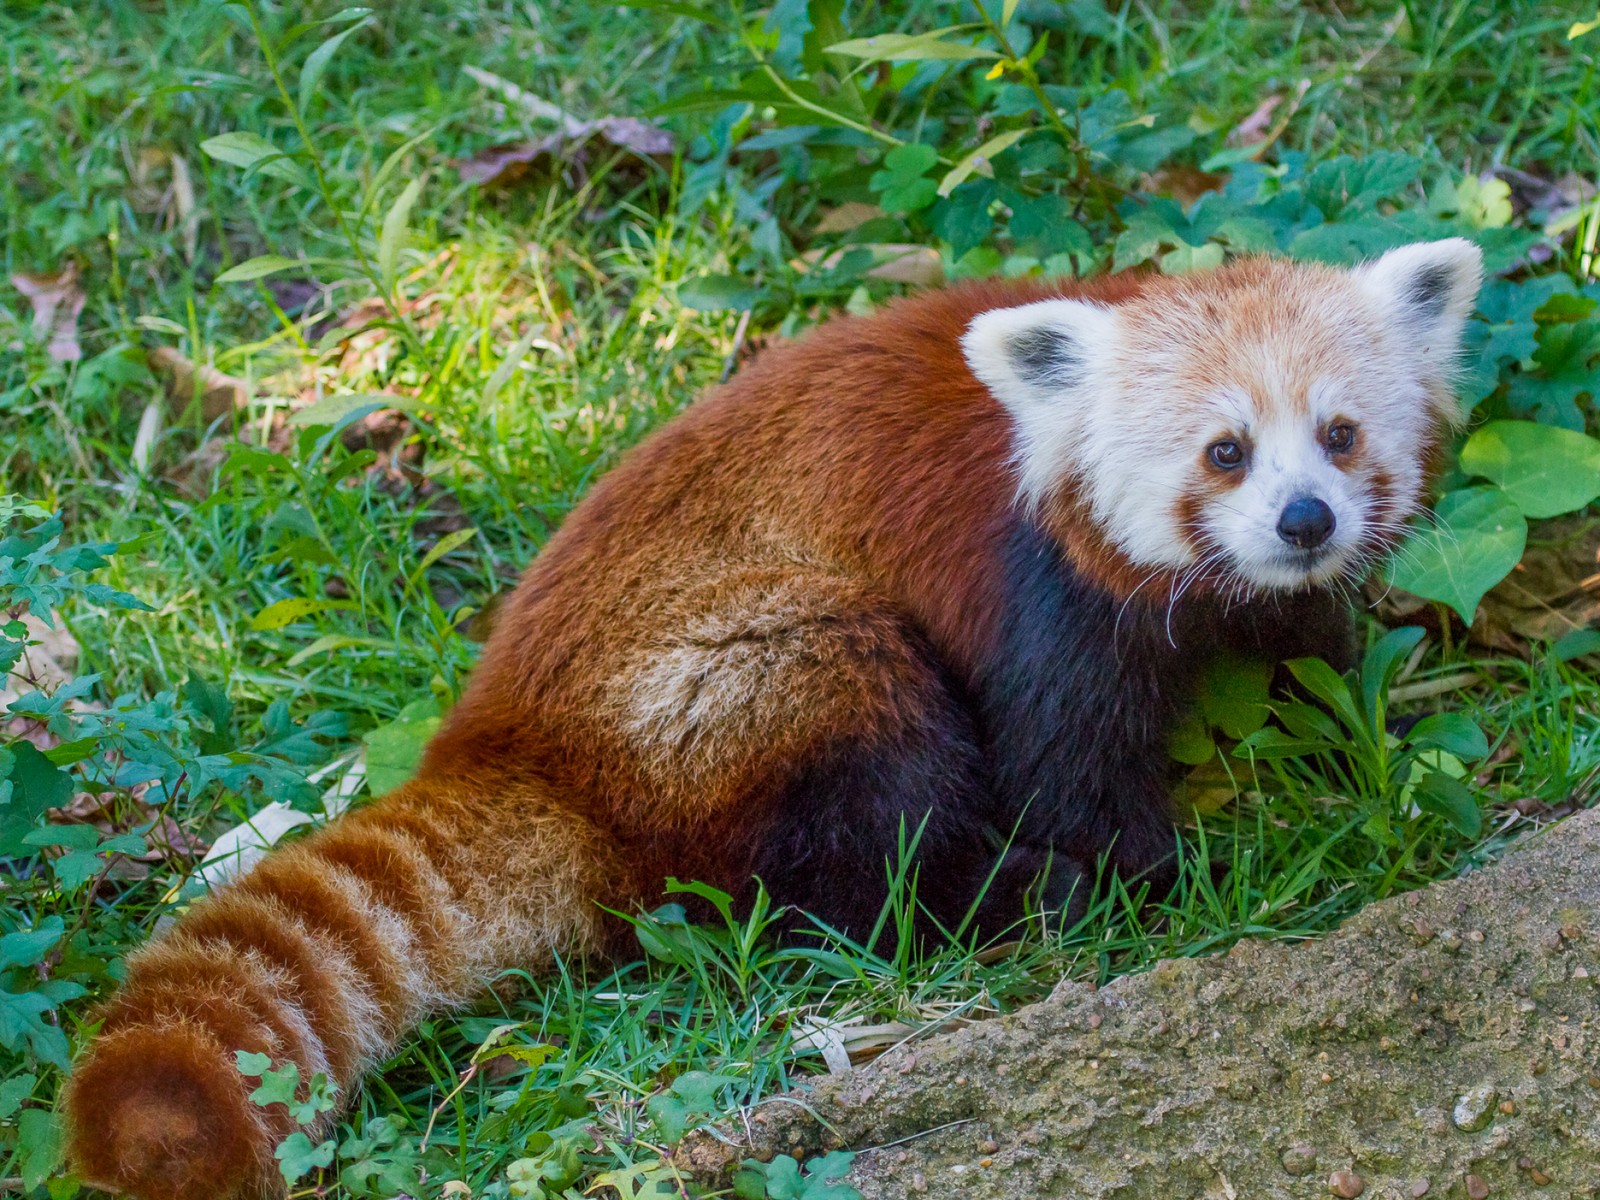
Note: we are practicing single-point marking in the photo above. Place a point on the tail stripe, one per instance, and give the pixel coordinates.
(324, 985)
(332, 907)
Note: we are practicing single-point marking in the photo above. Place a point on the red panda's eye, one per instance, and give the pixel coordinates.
(1227, 454)
(1340, 437)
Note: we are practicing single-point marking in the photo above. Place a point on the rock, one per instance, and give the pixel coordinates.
(1475, 1109)
(1477, 1188)
(1300, 1159)
(1346, 1184)
(1220, 1061)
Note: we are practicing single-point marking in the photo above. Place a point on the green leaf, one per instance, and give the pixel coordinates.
(395, 750)
(1383, 660)
(252, 1064)
(1444, 796)
(392, 239)
(446, 544)
(1477, 538)
(27, 948)
(340, 410)
(240, 148)
(38, 1146)
(911, 47)
(297, 1157)
(1454, 733)
(36, 784)
(1234, 697)
(316, 64)
(1273, 743)
(712, 293)
(285, 612)
(258, 268)
(1545, 470)
(979, 160)
(1327, 685)
(13, 1092)
(902, 184)
(1191, 742)
(1577, 644)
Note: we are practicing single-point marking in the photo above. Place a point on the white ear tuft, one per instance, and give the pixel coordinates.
(1428, 288)
(1036, 354)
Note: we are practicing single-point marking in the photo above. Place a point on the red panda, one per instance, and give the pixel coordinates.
(956, 565)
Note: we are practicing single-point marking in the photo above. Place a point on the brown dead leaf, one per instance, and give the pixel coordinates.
(220, 394)
(1253, 129)
(1554, 590)
(56, 301)
(898, 262)
(847, 216)
(512, 162)
(1183, 183)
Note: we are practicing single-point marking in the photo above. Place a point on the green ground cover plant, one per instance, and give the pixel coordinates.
(321, 318)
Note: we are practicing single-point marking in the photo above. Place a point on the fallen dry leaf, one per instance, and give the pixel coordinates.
(1183, 183)
(898, 262)
(56, 301)
(846, 217)
(1553, 591)
(512, 162)
(220, 394)
(1253, 129)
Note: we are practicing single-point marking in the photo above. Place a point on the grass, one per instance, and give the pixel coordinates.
(536, 331)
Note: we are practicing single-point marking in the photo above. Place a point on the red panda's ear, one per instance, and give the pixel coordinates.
(1036, 355)
(1044, 362)
(1427, 289)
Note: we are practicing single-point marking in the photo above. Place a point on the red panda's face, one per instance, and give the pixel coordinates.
(1266, 426)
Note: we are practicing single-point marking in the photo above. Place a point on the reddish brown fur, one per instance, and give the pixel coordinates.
(728, 599)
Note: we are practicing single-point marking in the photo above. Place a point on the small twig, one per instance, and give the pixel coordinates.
(738, 344)
(911, 1137)
(1434, 687)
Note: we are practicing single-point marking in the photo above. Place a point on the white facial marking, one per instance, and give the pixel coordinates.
(1121, 405)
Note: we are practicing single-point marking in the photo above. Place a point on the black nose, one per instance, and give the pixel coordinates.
(1306, 522)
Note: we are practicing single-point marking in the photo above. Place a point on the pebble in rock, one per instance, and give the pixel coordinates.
(1475, 1109)
(1346, 1184)
(1477, 1187)
(1300, 1159)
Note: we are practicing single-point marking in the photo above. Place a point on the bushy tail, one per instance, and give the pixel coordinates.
(323, 955)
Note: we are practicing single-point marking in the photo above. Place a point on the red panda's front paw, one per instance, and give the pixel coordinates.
(163, 1114)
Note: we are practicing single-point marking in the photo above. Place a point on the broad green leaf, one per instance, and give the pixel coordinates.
(340, 410)
(1577, 644)
(1383, 660)
(27, 948)
(449, 542)
(316, 64)
(1454, 733)
(911, 47)
(979, 160)
(1451, 799)
(285, 612)
(258, 268)
(1327, 685)
(240, 148)
(1191, 742)
(1476, 540)
(711, 293)
(38, 1146)
(297, 1157)
(13, 1092)
(393, 237)
(35, 784)
(394, 750)
(1273, 743)
(249, 1063)
(1545, 470)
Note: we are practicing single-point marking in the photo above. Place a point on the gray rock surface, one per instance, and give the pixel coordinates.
(1441, 1044)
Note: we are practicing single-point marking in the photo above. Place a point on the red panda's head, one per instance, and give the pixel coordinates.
(1267, 425)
